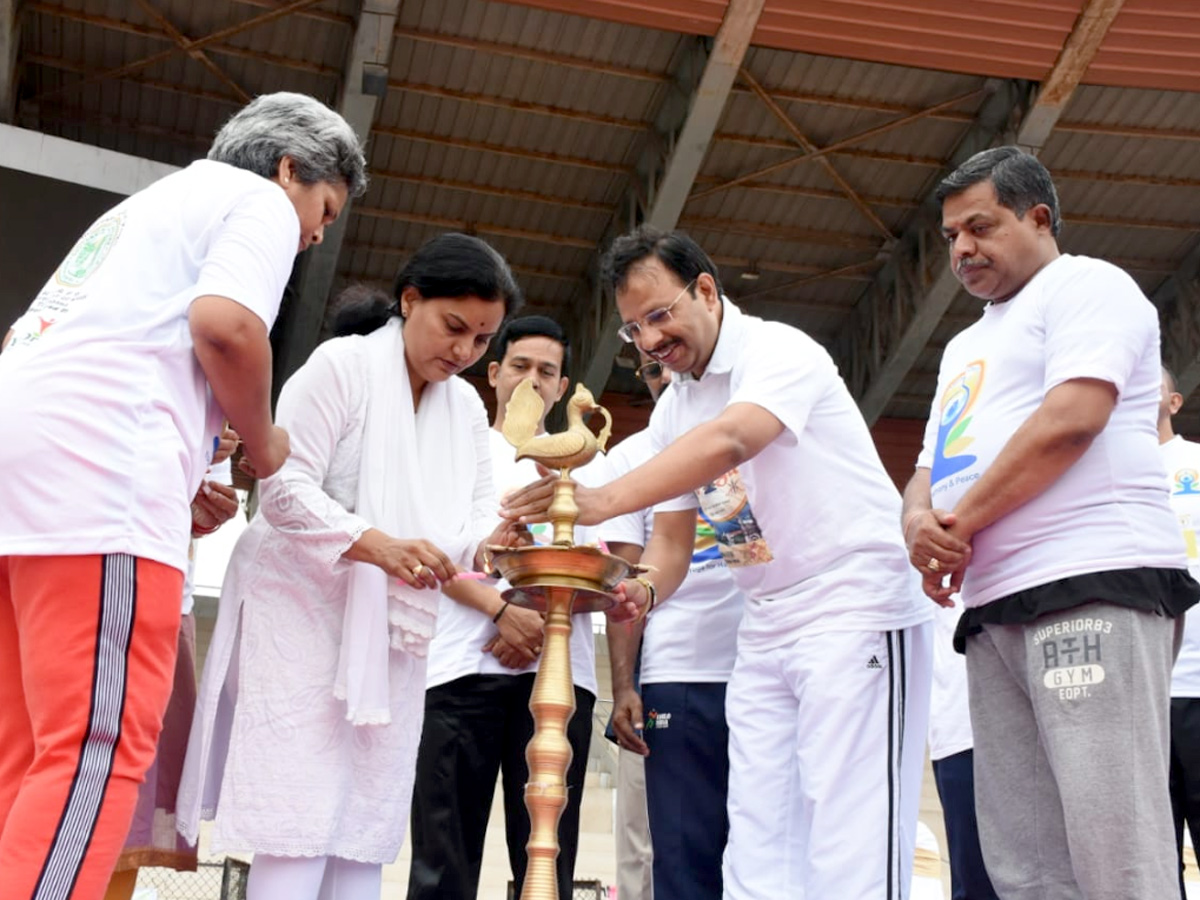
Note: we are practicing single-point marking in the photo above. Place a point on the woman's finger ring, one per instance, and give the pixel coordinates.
(418, 569)
(933, 565)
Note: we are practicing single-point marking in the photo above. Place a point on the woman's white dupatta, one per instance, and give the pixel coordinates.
(416, 479)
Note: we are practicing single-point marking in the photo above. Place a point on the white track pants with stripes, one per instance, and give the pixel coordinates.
(826, 749)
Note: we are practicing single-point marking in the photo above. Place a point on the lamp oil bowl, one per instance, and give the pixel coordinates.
(558, 579)
(590, 573)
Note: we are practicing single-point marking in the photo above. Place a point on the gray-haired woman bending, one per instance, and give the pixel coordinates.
(113, 388)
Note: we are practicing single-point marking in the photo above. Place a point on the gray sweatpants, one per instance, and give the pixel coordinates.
(1071, 721)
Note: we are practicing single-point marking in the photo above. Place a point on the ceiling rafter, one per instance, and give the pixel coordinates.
(794, 190)
(318, 15)
(531, 54)
(1126, 178)
(1057, 88)
(501, 149)
(184, 43)
(187, 47)
(492, 190)
(883, 156)
(780, 232)
(788, 190)
(522, 106)
(761, 264)
(120, 25)
(53, 62)
(469, 226)
(818, 154)
(857, 104)
(866, 104)
(1123, 222)
(389, 250)
(866, 265)
(812, 151)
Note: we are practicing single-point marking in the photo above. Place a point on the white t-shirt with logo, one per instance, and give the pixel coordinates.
(949, 712)
(457, 648)
(1182, 461)
(1077, 318)
(810, 527)
(106, 424)
(693, 637)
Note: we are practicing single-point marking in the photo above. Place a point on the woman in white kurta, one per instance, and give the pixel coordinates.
(306, 732)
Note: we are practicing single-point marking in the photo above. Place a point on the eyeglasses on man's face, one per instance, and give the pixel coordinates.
(651, 371)
(656, 318)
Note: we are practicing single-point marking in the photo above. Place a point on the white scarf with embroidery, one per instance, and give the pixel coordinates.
(416, 479)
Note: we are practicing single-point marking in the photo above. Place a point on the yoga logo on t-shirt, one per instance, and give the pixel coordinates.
(1187, 481)
(957, 402)
(706, 548)
(726, 506)
(90, 251)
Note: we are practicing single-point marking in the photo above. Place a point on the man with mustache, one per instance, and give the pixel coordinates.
(828, 701)
(1039, 496)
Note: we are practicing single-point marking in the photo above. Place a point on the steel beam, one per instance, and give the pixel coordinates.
(1056, 90)
(76, 163)
(189, 47)
(895, 318)
(182, 41)
(122, 27)
(371, 50)
(668, 169)
(442, 140)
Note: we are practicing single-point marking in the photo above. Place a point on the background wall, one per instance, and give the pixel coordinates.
(42, 219)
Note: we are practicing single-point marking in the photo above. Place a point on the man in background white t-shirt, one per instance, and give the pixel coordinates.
(677, 722)
(1182, 461)
(951, 752)
(1039, 495)
(482, 665)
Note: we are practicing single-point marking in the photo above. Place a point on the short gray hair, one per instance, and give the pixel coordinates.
(1020, 180)
(321, 143)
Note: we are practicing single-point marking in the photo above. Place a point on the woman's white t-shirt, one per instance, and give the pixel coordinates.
(106, 422)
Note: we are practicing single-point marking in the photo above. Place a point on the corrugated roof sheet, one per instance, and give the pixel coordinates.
(1152, 43)
(523, 122)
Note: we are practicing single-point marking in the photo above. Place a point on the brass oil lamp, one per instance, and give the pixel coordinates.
(559, 580)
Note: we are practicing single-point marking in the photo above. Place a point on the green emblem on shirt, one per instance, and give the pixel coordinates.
(90, 251)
